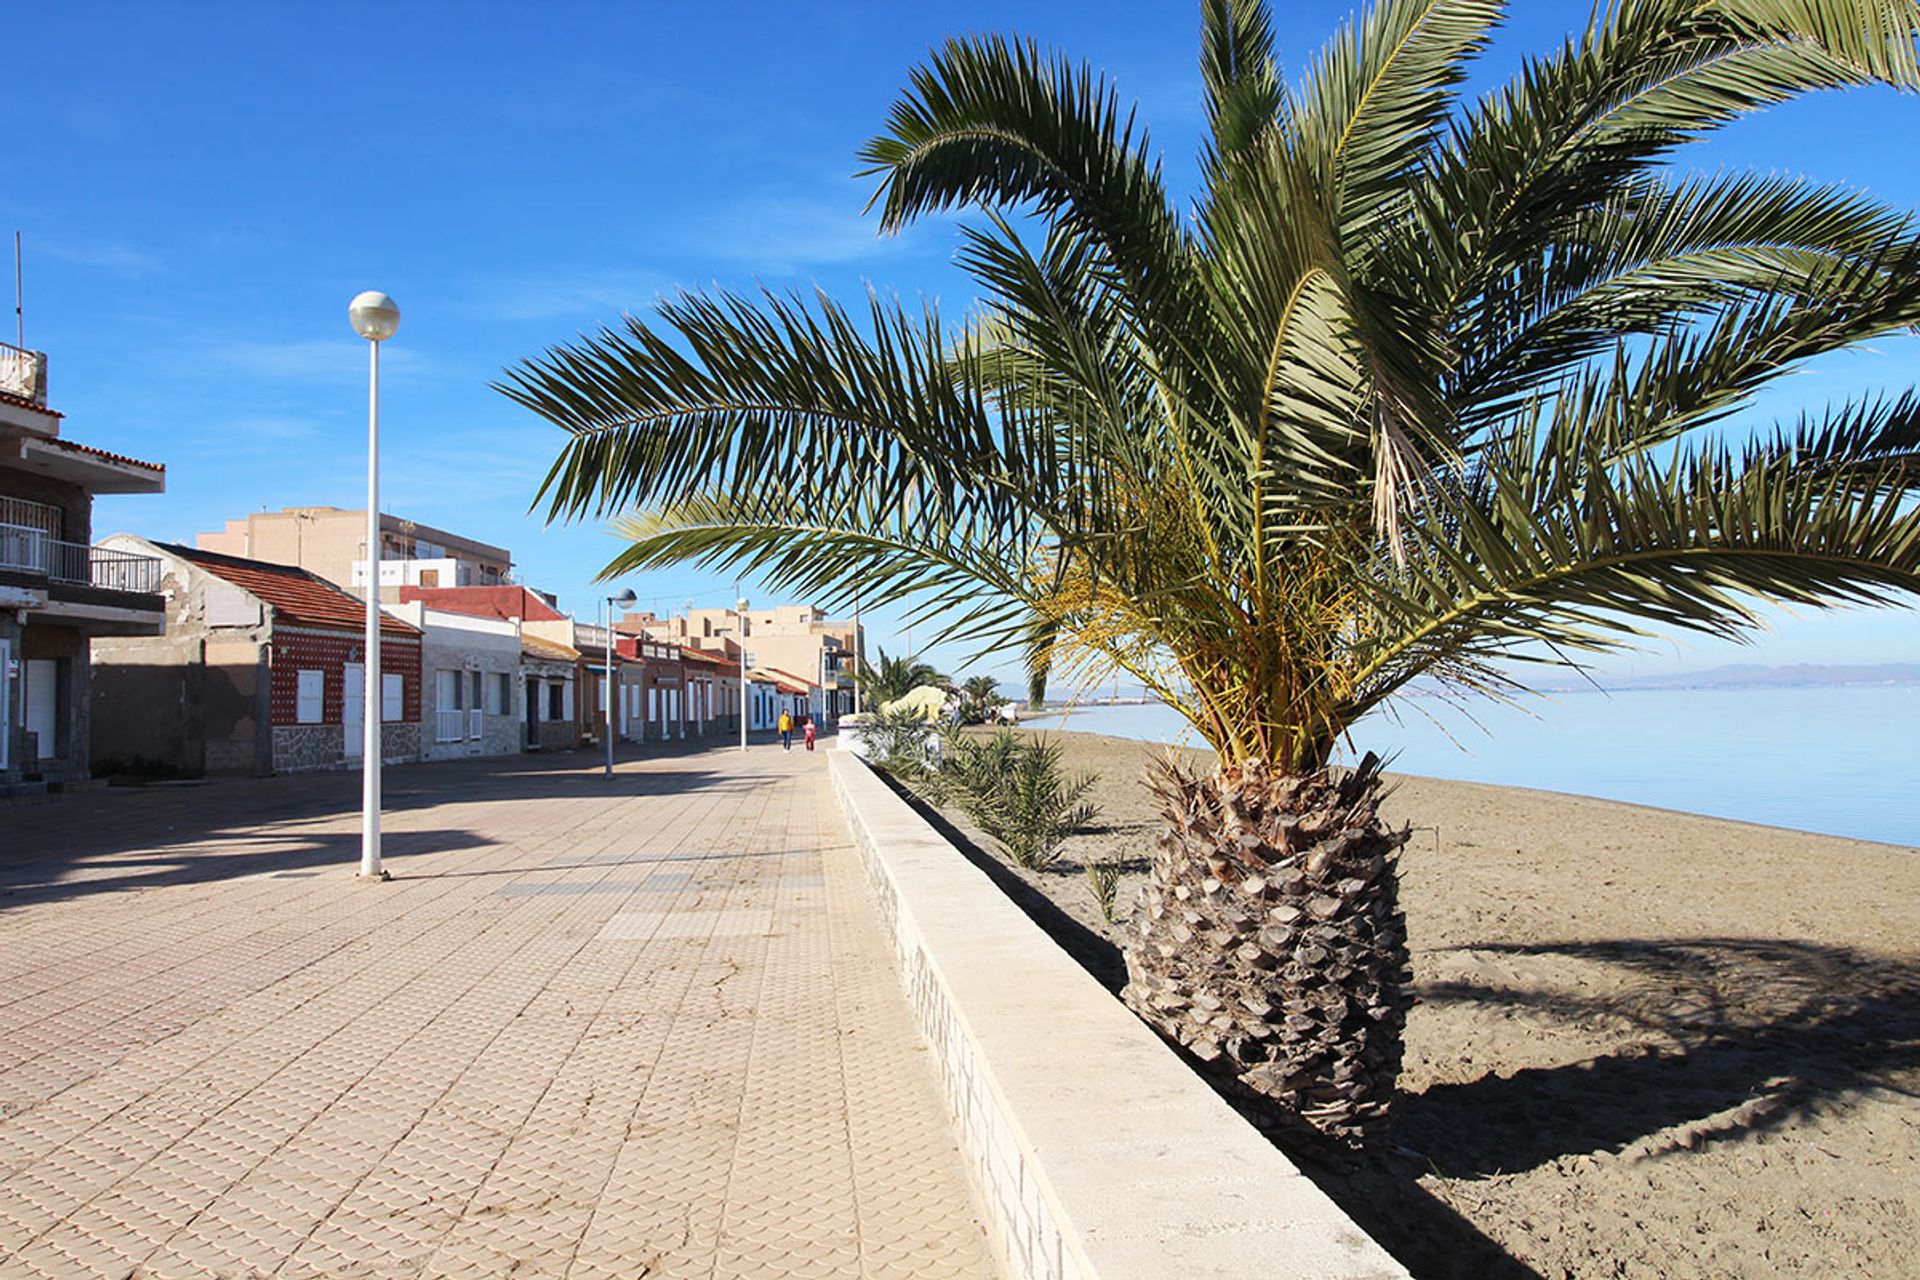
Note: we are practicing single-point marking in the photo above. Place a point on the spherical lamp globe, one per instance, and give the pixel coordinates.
(374, 315)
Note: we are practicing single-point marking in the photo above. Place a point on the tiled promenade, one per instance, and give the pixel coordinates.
(591, 1029)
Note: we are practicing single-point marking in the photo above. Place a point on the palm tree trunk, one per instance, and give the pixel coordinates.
(1269, 942)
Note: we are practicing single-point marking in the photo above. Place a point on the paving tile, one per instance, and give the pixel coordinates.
(591, 1029)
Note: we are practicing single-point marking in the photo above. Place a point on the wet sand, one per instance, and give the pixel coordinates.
(1646, 1044)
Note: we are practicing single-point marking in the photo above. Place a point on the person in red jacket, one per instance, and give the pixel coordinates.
(809, 727)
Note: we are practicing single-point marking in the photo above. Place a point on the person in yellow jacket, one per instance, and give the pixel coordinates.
(786, 730)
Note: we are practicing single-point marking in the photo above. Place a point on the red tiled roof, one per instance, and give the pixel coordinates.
(293, 594)
(484, 602)
(70, 447)
(7, 397)
(784, 682)
(707, 656)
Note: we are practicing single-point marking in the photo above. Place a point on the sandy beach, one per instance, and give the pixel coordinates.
(1646, 1044)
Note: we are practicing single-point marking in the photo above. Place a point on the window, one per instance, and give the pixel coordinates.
(556, 701)
(473, 680)
(451, 693)
(306, 707)
(498, 693)
(392, 699)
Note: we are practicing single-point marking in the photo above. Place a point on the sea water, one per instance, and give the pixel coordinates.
(1842, 760)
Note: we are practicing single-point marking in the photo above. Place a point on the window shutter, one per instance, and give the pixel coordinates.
(312, 688)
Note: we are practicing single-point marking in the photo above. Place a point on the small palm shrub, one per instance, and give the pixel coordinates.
(897, 741)
(1104, 876)
(974, 770)
(1013, 790)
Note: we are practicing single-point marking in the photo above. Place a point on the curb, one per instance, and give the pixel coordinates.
(1094, 1151)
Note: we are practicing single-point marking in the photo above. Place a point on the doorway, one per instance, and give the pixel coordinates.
(43, 705)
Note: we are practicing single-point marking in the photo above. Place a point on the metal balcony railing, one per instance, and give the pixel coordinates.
(23, 373)
(33, 551)
(49, 520)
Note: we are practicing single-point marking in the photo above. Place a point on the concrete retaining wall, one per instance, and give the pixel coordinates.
(1094, 1150)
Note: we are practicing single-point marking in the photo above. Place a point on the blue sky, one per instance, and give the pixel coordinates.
(202, 188)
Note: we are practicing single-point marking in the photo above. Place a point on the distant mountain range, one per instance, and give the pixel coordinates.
(1751, 675)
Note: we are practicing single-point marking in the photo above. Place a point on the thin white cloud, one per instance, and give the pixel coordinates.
(312, 359)
(786, 232)
(578, 293)
(114, 256)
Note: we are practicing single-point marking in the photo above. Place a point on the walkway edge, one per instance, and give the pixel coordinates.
(1095, 1152)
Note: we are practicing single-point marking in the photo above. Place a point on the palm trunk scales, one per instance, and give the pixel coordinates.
(1269, 943)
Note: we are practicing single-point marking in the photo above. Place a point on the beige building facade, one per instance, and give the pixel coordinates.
(799, 641)
(331, 543)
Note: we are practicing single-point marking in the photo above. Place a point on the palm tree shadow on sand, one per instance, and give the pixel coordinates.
(1736, 1036)
(1742, 1035)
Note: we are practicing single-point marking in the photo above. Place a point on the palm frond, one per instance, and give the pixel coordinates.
(1242, 78)
(1581, 552)
(991, 122)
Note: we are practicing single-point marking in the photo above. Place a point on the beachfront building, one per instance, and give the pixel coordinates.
(796, 639)
(332, 543)
(658, 699)
(261, 670)
(589, 644)
(58, 592)
(791, 694)
(710, 679)
(471, 682)
(548, 670)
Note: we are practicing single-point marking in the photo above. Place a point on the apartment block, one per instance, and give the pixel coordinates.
(332, 543)
(58, 592)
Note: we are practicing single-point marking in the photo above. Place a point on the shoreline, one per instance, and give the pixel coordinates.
(1395, 778)
(1791, 763)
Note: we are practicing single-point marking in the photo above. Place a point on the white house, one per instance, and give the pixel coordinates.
(470, 682)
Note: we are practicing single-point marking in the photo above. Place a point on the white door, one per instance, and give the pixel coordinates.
(43, 704)
(353, 709)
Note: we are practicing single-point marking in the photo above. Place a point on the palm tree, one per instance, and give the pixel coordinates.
(981, 691)
(897, 677)
(1416, 387)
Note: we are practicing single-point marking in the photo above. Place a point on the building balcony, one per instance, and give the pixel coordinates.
(437, 572)
(31, 551)
(23, 373)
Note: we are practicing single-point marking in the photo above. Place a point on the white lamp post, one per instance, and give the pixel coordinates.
(856, 650)
(626, 600)
(374, 316)
(740, 608)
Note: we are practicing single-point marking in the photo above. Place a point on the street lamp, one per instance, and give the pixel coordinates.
(856, 649)
(374, 317)
(740, 608)
(625, 600)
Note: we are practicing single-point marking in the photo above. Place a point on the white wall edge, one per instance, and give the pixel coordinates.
(1093, 1149)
